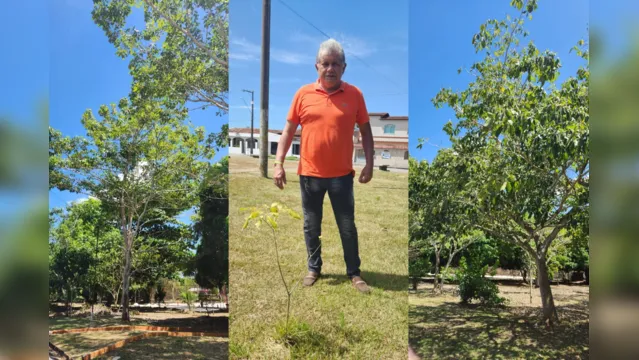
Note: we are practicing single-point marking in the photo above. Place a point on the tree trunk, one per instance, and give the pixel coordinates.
(415, 280)
(69, 301)
(547, 302)
(436, 280)
(450, 260)
(531, 287)
(126, 274)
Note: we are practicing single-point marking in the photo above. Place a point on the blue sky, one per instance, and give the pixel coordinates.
(85, 73)
(440, 43)
(375, 33)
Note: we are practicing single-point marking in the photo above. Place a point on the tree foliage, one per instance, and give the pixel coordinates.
(181, 51)
(524, 140)
(211, 229)
(144, 164)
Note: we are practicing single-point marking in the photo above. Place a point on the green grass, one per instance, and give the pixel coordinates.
(330, 320)
(442, 328)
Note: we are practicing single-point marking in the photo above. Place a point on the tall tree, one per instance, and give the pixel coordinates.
(525, 141)
(211, 229)
(181, 52)
(441, 216)
(144, 165)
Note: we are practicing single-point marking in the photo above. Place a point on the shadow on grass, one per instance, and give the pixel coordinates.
(453, 331)
(197, 324)
(388, 282)
(171, 348)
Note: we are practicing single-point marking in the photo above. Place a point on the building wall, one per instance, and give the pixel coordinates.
(390, 157)
(377, 125)
(239, 143)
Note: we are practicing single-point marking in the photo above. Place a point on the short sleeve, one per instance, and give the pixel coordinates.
(362, 112)
(294, 111)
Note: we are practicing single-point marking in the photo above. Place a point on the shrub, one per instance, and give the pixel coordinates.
(473, 284)
(189, 298)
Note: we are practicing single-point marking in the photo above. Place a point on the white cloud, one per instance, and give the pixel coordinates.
(355, 46)
(243, 56)
(80, 200)
(352, 45)
(243, 49)
(289, 57)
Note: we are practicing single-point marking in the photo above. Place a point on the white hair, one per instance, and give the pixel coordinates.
(331, 46)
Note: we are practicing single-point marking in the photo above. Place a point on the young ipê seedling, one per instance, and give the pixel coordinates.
(268, 215)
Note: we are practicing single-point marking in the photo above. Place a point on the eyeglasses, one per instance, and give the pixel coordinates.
(327, 65)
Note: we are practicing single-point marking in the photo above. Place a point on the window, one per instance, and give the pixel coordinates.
(296, 149)
(236, 142)
(389, 129)
(405, 155)
(386, 154)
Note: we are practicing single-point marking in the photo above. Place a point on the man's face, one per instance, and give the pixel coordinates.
(330, 69)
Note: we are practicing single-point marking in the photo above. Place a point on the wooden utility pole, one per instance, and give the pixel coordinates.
(266, 47)
(252, 102)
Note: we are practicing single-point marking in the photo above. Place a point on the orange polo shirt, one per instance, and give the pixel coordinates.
(328, 123)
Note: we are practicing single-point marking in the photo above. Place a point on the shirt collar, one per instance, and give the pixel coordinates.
(318, 86)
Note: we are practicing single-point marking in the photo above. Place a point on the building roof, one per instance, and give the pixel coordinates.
(386, 116)
(257, 131)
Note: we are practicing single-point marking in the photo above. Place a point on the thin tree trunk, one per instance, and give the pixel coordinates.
(450, 260)
(69, 301)
(547, 302)
(415, 281)
(126, 274)
(531, 286)
(436, 281)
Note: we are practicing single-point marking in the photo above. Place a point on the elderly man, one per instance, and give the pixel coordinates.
(328, 111)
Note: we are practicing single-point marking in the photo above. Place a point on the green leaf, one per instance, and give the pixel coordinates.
(271, 222)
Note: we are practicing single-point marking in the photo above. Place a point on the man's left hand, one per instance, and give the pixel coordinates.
(366, 175)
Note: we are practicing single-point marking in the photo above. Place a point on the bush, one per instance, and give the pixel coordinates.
(474, 286)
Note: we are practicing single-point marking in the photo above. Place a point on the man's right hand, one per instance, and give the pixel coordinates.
(279, 176)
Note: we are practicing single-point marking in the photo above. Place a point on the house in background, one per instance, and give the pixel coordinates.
(390, 134)
(240, 142)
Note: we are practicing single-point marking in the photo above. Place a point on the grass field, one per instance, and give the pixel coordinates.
(331, 320)
(442, 328)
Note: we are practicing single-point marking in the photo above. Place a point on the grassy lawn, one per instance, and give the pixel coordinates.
(331, 320)
(442, 328)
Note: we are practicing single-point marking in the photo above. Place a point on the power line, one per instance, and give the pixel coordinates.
(328, 36)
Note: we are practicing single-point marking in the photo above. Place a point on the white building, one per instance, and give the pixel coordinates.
(390, 134)
(240, 142)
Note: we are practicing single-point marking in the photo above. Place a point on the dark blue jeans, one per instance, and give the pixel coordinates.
(340, 192)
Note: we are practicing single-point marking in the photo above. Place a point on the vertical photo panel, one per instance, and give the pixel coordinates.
(318, 180)
(499, 180)
(138, 170)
